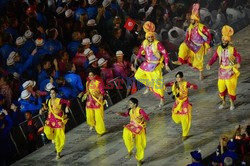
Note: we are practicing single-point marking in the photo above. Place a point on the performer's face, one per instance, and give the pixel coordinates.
(178, 78)
(224, 43)
(150, 38)
(52, 94)
(91, 76)
(131, 105)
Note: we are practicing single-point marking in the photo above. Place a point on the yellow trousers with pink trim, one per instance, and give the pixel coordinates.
(152, 79)
(228, 86)
(139, 140)
(194, 59)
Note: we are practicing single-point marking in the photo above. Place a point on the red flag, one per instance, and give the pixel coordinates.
(129, 25)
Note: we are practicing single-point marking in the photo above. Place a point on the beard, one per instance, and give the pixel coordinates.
(224, 45)
(150, 40)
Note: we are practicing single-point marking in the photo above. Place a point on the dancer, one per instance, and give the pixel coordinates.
(181, 111)
(135, 129)
(229, 61)
(150, 72)
(95, 103)
(55, 124)
(196, 43)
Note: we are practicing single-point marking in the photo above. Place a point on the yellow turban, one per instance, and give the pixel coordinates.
(149, 27)
(195, 12)
(227, 32)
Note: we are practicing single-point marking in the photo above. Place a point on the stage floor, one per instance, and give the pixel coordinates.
(164, 144)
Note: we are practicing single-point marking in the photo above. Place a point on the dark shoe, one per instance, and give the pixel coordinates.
(139, 163)
(129, 155)
(184, 138)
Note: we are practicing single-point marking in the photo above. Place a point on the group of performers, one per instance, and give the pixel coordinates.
(191, 51)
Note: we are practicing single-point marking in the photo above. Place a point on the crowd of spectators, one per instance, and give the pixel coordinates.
(46, 44)
(231, 151)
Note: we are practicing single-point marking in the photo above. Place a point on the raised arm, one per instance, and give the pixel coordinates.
(140, 52)
(163, 52)
(206, 32)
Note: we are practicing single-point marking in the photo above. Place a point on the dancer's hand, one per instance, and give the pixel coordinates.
(84, 97)
(41, 111)
(80, 95)
(101, 97)
(118, 113)
(67, 109)
(208, 67)
(167, 68)
(238, 65)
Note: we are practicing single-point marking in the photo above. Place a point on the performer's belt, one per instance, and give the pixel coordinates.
(234, 67)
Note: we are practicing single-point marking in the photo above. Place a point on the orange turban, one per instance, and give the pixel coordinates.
(227, 32)
(149, 27)
(195, 12)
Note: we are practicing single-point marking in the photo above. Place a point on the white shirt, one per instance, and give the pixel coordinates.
(181, 36)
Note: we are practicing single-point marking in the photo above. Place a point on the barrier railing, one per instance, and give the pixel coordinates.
(19, 133)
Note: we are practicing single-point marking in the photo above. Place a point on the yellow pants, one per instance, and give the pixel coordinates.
(184, 119)
(194, 59)
(152, 79)
(140, 142)
(228, 86)
(56, 134)
(95, 118)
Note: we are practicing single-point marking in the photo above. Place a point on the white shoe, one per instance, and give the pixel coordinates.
(160, 106)
(232, 107)
(90, 128)
(58, 156)
(146, 91)
(221, 106)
